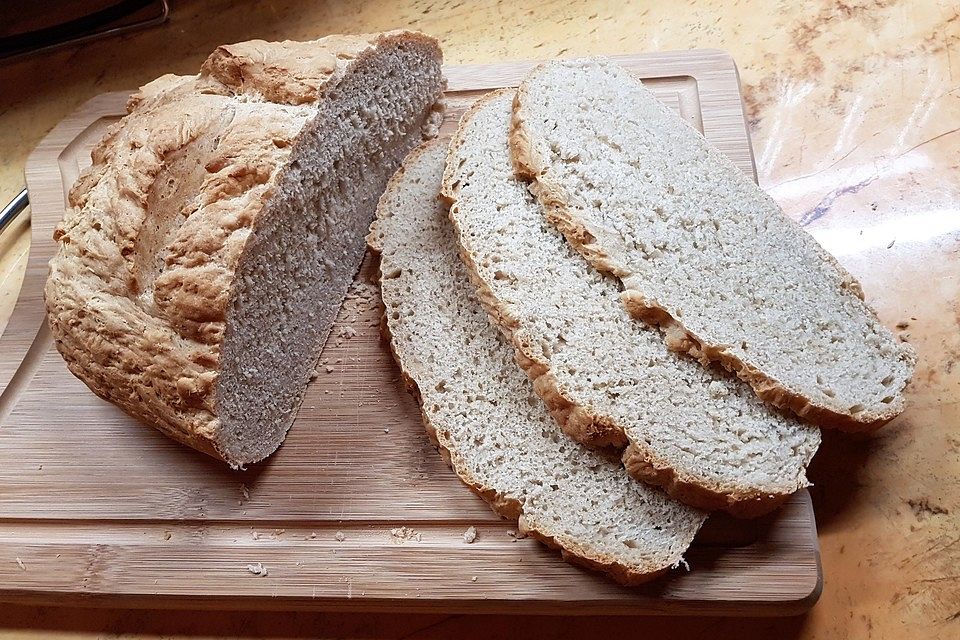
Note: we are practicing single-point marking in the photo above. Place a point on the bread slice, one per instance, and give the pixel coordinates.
(480, 409)
(701, 249)
(701, 434)
(207, 250)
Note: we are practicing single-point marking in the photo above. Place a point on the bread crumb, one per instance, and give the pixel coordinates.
(386, 430)
(470, 535)
(516, 535)
(329, 369)
(903, 324)
(679, 562)
(256, 536)
(20, 564)
(258, 570)
(473, 579)
(245, 491)
(167, 535)
(340, 537)
(400, 534)
(313, 535)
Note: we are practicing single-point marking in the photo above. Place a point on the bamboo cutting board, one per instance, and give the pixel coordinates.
(356, 511)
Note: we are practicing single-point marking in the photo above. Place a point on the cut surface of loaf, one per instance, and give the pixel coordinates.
(481, 411)
(701, 249)
(700, 433)
(207, 249)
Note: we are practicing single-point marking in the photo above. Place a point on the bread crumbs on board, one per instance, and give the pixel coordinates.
(470, 535)
(402, 534)
(258, 570)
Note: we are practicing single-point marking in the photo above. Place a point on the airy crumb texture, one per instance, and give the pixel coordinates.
(700, 433)
(481, 411)
(208, 247)
(701, 249)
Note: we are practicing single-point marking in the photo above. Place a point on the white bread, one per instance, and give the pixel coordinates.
(481, 411)
(206, 251)
(700, 249)
(701, 434)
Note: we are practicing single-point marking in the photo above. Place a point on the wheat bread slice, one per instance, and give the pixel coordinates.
(700, 249)
(481, 412)
(700, 433)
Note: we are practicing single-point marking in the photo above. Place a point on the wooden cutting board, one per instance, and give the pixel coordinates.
(97, 509)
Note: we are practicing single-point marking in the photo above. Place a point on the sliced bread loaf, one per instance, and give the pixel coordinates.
(701, 249)
(481, 411)
(208, 248)
(701, 434)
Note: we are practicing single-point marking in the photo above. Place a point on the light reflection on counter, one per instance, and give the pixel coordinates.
(922, 226)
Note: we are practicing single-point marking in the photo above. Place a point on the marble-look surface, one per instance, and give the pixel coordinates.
(855, 116)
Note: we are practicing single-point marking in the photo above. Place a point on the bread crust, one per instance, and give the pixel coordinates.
(678, 338)
(505, 506)
(141, 282)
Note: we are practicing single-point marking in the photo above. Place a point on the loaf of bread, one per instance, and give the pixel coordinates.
(206, 252)
(700, 249)
(481, 411)
(701, 434)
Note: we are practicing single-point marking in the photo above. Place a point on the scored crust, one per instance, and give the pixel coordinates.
(139, 290)
(505, 506)
(677, 337)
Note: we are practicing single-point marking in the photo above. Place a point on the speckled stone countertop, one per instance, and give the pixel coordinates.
(854, 108)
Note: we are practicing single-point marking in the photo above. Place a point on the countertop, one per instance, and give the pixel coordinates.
(854, 110)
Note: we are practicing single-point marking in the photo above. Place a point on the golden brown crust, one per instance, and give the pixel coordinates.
(575, 555)
(147, 252)
(678, 338)
(641, 463)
